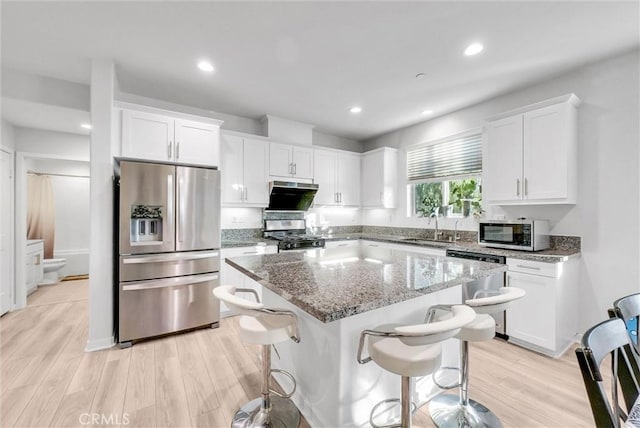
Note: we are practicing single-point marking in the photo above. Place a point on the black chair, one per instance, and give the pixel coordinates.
(628, 309)
(608, 337)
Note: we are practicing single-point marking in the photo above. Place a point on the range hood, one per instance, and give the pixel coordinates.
(290, 196)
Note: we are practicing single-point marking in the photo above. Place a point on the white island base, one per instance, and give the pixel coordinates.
(333, 389)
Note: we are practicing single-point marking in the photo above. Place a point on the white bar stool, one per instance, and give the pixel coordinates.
(410, 351)
(266, 327)
(459, 411)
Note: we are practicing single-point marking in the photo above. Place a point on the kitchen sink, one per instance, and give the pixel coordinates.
(425, 241)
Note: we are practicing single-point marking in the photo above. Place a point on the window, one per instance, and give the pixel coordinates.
(445, 176)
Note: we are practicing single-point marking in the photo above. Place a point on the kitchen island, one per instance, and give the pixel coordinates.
(336, 293)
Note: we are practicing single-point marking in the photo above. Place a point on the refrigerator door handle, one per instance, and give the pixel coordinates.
(179, 211)
(169, 282)
(169, 205)
(171, 257)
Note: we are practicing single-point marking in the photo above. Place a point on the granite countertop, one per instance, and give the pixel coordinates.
(336, 283)
(547, 256)
(250, 242)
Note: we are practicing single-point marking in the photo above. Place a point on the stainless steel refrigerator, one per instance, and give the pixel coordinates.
(168, 240)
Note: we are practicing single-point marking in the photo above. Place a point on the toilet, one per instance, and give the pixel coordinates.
(51, 268)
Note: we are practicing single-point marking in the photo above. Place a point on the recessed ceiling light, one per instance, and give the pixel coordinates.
(426, 112)
(85, 125)
(205, 66)
(355, 110)
(473, 49)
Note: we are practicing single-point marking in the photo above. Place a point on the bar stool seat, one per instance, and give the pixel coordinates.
(482, 328)
(266, 330)
(266, 327)
(410, 351)
(449, 411)
(401, 358)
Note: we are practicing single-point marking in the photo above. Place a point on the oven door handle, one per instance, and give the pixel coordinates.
(169, 282)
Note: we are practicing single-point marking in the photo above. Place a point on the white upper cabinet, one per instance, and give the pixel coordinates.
(147, 136)
(348, 179)
(290, 161)
(243, 171)
(157, 137)
(197, 143)
(338, 176)
(379, 178)
(325, 176)
(530, 155)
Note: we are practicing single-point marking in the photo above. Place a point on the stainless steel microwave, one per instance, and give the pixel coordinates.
(527, 235)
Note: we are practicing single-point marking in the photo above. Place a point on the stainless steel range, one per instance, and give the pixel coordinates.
(291, 234)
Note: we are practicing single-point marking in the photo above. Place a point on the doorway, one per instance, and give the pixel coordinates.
(6, 232)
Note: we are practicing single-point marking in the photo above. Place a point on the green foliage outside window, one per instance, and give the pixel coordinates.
(461, 197)
(428, 198)
(464, 195)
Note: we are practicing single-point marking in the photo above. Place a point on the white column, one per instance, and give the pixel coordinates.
(101, 323)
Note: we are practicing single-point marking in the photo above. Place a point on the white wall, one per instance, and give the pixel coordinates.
(45, 90)
(607, 213)
(328, 140)
(8, 135)
(71, 199)
(59, 144)
(322, 218)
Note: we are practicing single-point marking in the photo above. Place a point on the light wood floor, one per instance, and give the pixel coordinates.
(201, 378)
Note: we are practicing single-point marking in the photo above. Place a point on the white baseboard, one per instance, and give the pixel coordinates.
(100, 344)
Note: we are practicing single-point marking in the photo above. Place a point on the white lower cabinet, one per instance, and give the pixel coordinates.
(342, 244)
(545, 319)
(34, 269)
(231, 276)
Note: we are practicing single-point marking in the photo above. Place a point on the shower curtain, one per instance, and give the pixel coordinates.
(41, 216)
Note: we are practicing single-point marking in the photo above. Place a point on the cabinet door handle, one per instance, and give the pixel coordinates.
(177, 149)
(335, 197)
(526, 187)
(295, 168)
(342, 245)
(169, 150)
(381, 198)
(249, 252)
(246, 193)
(528, 267)
(340, 197)
(517, 187)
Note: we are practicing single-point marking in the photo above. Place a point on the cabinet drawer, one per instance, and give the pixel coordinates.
(551, 270)
(346, 243)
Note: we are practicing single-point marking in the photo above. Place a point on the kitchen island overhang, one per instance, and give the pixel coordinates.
(336, 293)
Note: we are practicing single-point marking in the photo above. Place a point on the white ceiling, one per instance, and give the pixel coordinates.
(312, 61)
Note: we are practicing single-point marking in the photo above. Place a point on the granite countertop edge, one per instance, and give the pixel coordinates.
(326, 317)
(545, 256)
(247, 243)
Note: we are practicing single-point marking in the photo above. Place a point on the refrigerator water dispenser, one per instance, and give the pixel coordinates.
(146, 224)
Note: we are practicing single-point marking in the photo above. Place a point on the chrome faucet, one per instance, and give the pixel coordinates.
(456, 237)
(434, 215)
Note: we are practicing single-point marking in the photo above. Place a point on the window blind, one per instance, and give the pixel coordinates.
(454, 157)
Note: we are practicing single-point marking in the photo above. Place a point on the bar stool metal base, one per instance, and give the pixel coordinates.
(283, 414)
(447, 412)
